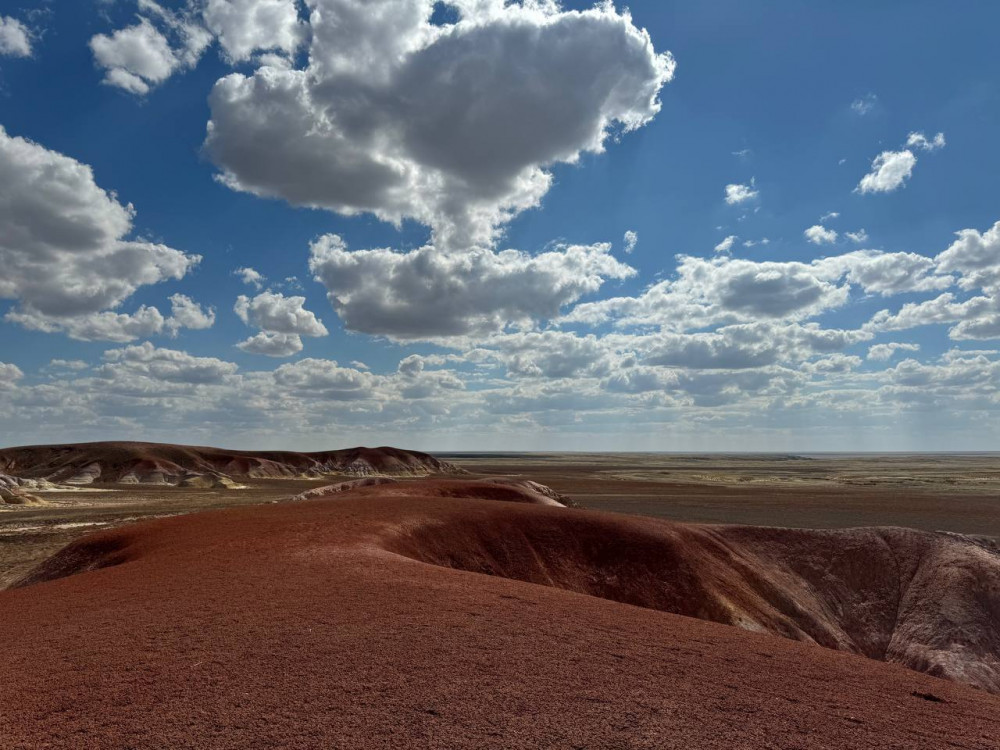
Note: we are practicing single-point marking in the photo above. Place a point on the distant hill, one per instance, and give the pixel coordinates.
(165, 464)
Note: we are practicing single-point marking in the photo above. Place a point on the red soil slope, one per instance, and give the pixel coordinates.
(356, 622)
(158, 463)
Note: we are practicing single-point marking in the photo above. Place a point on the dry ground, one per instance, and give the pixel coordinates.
(959, 493)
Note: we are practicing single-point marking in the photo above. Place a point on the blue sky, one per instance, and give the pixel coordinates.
(437, 277)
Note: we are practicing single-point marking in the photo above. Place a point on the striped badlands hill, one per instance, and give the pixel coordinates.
(157, 463)
(418, 615)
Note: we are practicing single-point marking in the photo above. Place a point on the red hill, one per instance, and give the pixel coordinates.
(365, 620)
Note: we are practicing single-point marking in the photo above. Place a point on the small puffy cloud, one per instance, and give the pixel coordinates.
(99, 326)
(186, 313)
(919, 140)
(426, 293)
(885, 352)
(164, 41)
(119, 327)
(976, 318)
(9, 375)
(726, 245)
(272, 344)
(865, 104)
(250, 277)
(276, 313)
(737, 193)
(246, 26)
(836, 364)
(324, 378)
(886, 273)
(857, 237)
(15, 40)
(631, 239)
(282, 320)
(890, 171)
(820, 235)
(553, 354)
(724, 289)
(167, 365)
(63, 250)
(67, 364)
(830, 216)
(135, 58)
(975, 256)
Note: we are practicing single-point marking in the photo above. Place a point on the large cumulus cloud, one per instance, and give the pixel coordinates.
(426, 294)
(451, 126)
(64, 246)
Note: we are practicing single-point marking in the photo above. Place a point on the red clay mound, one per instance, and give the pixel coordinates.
(156, 463)
(318, 624)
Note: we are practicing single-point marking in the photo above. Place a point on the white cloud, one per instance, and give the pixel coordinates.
(282, 320)
(857, 237)
(164, 41)
(885, 273)
(186, 313)
(723, 289)
(890, 171)
(135, 58)
(977, 314)
(98, 326)
(630, 240)
(885, 352)
(975, 257)
(919, 140)
(251, 277)
(167, 365)
(119, 327)
(15, 40)
(246, 26)
(272, 344)
(726, 245)
(9, 374)
(67, 364)
(819, 235)
(728, 290)
(62, 246)
(276, 313)
(737, 193)
(427, 294)
(829, 216)
(865, 104)
(324, 378)
(454, 128)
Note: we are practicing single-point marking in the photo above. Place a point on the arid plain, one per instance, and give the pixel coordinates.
(933, 492)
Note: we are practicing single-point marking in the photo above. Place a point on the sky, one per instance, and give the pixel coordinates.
(489, 225)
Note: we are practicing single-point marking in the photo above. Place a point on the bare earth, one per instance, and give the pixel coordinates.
(363, 620)
(959, 493)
